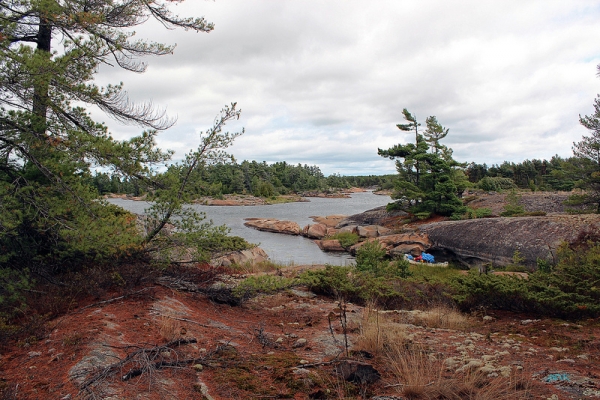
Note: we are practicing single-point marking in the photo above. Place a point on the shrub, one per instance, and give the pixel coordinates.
(544, 266)
(266, 284)
(423, 215)
(399, 267)
(347, 284)
(370, 258)
(512, 208)
(474, 213)
(569, 291)
(346, 239)
(496, 184)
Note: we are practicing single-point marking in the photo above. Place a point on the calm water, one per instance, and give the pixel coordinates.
(282, 248)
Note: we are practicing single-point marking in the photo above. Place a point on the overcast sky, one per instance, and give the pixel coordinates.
(324, 82)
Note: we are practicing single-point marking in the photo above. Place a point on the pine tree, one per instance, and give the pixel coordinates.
(427, 180)
(50, 214)
(588, 149)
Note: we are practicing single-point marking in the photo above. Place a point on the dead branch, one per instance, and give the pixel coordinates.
(115, 298)
(147, 354)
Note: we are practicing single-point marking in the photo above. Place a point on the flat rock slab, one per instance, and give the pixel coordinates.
(496, 239)
(273, 225)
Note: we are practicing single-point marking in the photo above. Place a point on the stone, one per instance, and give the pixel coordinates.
(369, 231)
(330, 245)
(357, 372)
(349, 229)
(495, 239)
(198, 367)
(412, 249)
(329, 221)
(375, 216)
(316, 231)
(273, 225)
(252, 256)
(299, 343)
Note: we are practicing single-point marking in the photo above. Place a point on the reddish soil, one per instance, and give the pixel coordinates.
(257, 351)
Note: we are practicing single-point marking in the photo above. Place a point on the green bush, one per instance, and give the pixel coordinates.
(347, 284)
(474, 213)
(398, 268)
(385, 292)
(571, 290)
(512, 207)
(370, 258)
(423, 215)
(496, 184)
(346, 239)
(12, 285)
(544, 266)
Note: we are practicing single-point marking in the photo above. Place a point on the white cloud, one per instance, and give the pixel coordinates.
(324, 82)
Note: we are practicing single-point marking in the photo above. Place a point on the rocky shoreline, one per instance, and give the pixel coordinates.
(473, 242)
(249, 200)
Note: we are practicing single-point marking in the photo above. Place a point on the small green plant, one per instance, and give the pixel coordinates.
(544, 266)
(370, 258)
(400, 268)
(512, 207)
(518, 258)
(266, 284)
(346, 239)
(422, 215)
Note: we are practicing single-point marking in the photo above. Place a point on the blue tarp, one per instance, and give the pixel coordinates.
(427, 258)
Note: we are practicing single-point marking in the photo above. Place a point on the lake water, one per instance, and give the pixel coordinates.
(284, 249)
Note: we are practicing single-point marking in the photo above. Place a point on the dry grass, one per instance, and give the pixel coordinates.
(442, 317)
(414, 370)
(169, 328)
(417, 374)
(261, 267)
(377, 331)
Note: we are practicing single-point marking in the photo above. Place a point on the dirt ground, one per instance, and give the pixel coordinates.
(160, 343)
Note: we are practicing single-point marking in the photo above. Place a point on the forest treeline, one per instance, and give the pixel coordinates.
(280, 178)
(250, 177)
(556, 174)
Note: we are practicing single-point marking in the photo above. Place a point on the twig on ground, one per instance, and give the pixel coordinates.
(115, 298)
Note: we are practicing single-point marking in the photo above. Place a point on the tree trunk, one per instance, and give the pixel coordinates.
(40, 90)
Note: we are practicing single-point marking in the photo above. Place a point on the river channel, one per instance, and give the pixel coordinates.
(283, 249)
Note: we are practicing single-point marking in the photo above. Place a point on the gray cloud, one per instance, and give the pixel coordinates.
(325, 82)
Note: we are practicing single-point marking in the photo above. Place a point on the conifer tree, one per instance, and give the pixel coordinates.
(588, 149)
(427, 181)
(50, 50)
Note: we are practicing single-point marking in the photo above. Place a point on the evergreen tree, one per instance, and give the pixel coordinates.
(50, 214)
(427, 180)
(588, 149)
(434, 133)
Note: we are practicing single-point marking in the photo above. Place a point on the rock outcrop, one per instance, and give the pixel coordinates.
(375, 216)
(330, 220)
(273, 225)
(252, 256)
(496, 239)
(315, 231)
(400, 244)
(330, 245)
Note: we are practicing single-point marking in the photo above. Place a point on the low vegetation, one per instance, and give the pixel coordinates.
(417, 372)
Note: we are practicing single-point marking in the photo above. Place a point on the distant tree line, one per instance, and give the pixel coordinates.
(251, 177)
(558, 173)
